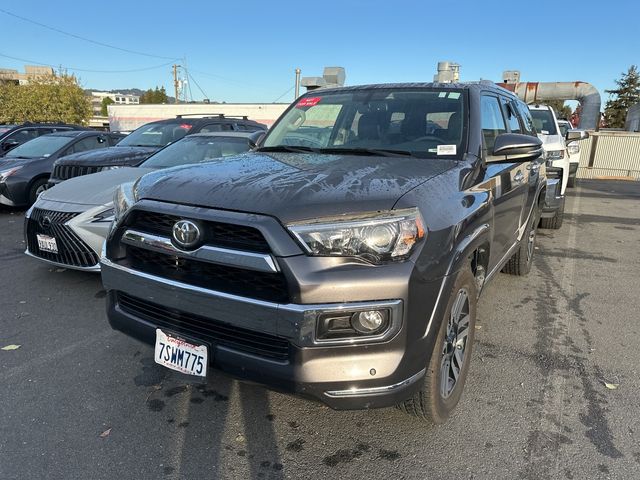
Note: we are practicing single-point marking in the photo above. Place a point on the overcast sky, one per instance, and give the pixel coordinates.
(246, 51)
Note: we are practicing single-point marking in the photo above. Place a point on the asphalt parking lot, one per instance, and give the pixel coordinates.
(79, 401)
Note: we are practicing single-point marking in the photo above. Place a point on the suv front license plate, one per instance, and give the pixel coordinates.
(179, 355)
(47, 243)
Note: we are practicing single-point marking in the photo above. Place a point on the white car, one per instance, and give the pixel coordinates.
(573, 149)
(558, 162)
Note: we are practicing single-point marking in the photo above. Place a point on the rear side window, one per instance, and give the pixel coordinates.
(216, 127)
(527, 119)
(492, 120)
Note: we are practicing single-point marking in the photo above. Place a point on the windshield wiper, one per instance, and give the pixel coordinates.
(382, 152)
(288, 148)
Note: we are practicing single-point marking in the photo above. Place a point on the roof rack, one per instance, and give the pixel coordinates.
(210, 115)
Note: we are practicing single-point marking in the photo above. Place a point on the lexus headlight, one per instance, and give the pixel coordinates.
(376, 237)
(4, 174)
(123, 199)
(105, 216)
(555, 155)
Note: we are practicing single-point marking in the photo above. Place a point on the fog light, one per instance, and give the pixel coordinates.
(368, 322)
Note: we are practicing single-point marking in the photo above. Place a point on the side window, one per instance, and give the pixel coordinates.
(511, 116)
(527, 119)
(22, 136)
(89, 143)
(492, 120)
(45, 131)
(215, 127)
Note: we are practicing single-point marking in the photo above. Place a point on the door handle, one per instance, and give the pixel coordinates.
(518, 178)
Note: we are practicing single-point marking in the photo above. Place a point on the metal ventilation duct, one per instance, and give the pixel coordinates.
(583, 92)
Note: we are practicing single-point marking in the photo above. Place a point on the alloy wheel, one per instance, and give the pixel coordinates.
(455, 343)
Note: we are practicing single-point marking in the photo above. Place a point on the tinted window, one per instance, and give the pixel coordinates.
(511, 116)
(156, 135)
(543, 120)
(424, 122)
(196, 149)
(22, 136)
(40, 147)
(89, 143)
(216, 127)
(527, 119)
(492, 120)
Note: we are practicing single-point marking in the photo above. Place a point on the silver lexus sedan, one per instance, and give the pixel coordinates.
(68, 223)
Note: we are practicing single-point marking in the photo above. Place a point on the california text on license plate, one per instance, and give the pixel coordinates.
(47, 243)
(179, 355)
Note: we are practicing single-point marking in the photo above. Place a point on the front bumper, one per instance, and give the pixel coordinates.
(343, 375)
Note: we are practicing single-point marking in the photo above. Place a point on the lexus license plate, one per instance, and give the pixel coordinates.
(179, 355)
(47, 243)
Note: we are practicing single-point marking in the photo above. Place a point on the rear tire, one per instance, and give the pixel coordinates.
(521, 261)
(554, 222)
(36, 189)
(441, 389)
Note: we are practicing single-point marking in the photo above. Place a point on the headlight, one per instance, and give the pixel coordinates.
(123, 199)
(7, 173)
(573, 148)
(112, 167)
(104, 216)
(555, 155)
(375, 237)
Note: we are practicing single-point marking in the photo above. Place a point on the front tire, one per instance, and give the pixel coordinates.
(521, 261)
(37, 187)
(449, 362)
(571, 182)
(555, 222)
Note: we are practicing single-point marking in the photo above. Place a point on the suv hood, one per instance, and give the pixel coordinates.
(109, 156)
(293, 186)
(94, 189)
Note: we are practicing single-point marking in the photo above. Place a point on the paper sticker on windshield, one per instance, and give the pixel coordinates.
(446, 149)
(308, 102)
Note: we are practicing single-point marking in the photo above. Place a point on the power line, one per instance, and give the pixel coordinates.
(79, 37)
(33, 62)
(283, 94)
(197, 84)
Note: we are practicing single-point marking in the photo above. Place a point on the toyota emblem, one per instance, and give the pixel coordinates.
(186, 234)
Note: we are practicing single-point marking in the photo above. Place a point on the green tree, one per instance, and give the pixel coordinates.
(157, 95)
(48, 99)
(106, 101)
(623, 97)
(562, 111)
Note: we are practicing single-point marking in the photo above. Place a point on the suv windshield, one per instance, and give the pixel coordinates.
(196, 150)
(156, 135)
(39, 147)
(543, 120)
(422, 122)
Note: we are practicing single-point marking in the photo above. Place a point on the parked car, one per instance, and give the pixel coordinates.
(145, 141)
(557, 162)
(25, 170)
(573, 151)
(12, 135)
(68, 223)
(345, 266)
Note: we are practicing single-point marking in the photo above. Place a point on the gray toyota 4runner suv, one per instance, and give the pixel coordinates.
(343, 258)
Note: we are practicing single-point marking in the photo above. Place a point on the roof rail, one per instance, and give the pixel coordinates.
(211, 115)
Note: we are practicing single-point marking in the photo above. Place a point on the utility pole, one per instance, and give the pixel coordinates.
(297, 83)
(175, 81)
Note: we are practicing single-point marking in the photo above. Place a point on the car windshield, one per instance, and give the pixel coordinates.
(44, 146)
(196, 149)
(543, 120)
(422, 122)
(156, 135)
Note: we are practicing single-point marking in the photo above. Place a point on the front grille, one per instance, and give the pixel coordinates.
(65, 172)
(212, 331)
(271, 287)
(226, 235)
(71, 249)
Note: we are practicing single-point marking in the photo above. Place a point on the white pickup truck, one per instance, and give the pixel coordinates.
(558, 162)
(573, 149)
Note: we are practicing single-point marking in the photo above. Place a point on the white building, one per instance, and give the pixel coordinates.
(118, 99)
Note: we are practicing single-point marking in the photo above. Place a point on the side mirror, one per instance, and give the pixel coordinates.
(515, 147)
(573, 135)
